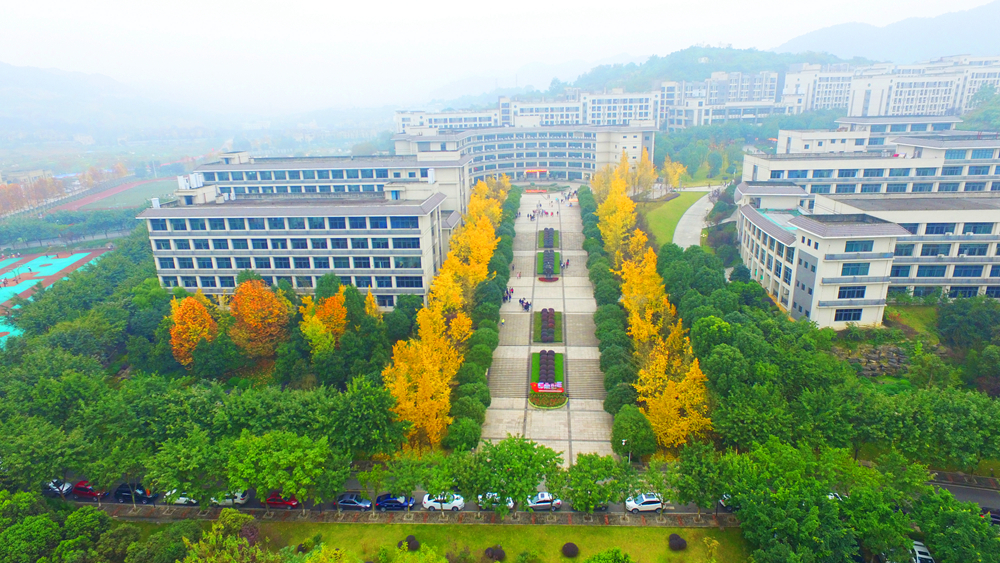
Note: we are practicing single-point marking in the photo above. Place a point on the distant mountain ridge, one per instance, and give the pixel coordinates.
(969, 32)
(58, 102)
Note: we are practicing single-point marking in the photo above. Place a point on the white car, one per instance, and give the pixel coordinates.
(490, 500)
(233, 498)
(446, 501)
(647, 502)
(181, 498)
(921, 554)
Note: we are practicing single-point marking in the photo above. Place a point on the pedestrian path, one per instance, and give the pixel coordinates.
(581, 426)
(688, 230)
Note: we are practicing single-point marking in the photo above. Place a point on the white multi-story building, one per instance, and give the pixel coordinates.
(382, 223)
(808, 87)
(949, 161)
(862, 134)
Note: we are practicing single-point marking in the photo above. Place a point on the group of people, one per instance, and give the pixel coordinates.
(564, 263)
(508, 294)
(525, 304)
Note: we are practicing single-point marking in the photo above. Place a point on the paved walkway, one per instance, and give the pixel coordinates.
(688, 230)
(581, 426)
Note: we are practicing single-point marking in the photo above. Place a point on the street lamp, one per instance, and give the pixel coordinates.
(629, 453)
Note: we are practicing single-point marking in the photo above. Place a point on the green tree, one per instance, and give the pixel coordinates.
(513, 469)
(406, 472)
(365, 423)
(29, 540)
(113, 544)
(373, 479)
(699, 479)
(954, 531)
(193, 466)
(593, 481)
(631, 433)
(34, 450)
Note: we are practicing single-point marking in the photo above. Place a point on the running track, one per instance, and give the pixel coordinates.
(76, 205)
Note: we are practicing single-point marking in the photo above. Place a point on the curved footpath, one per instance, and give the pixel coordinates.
(688, 230)
(581, 426)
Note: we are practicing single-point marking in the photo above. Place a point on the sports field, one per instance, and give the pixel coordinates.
(135, 196)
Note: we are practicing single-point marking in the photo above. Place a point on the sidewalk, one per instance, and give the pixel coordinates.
(168, 513)
(976, 481)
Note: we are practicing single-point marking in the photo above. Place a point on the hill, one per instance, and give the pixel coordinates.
(969, 32)
(50, 103)
(696, 63)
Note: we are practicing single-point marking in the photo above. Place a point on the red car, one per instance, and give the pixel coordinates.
(84, 491)
(276, 500)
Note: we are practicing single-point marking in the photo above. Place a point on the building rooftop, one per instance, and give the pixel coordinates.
(774, 223)
(899, 119)
(298, 163)
(847, 225)
(919, 203)
(453, 133)
(827, 156)
(969, 139)
(297, 208)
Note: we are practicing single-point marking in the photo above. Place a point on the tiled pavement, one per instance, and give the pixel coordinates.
(581, 426)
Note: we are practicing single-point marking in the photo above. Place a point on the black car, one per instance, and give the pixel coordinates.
(393, 502)
(352, 501)
(135, 493)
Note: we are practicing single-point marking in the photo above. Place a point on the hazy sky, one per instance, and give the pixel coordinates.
(286, 56)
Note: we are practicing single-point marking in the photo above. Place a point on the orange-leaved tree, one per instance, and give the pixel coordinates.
(192, 324)
(371, 306)
(679, 410)
(645, 301)
(645, 176)
(261, 318)
(323, 322)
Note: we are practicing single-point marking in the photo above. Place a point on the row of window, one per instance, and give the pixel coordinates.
(963, 154)
(954, 291)
(281, 262)
(941, 271)
(943, 249)
(273, 175)
(285, 223)
(946, 228)
(904, 187)
(973, 170)
(356, 243)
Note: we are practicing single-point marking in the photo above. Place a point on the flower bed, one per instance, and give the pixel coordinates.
(537, 327)
(540, 269)
(547, 400)
(541, 239)
(555, 387)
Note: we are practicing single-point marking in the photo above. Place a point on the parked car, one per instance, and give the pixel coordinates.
(444, 501)
(921, 554)
(489, 501)
(393, 502)
(233, 498)
(991, 514)
(544, 501)
(648, 502)
(352, 501)
(179, 498)
(726, 502)
(56, 488)
(135, 493)
(276, 500)
(83, 490)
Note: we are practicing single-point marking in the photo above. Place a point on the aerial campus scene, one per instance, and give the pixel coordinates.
(316, 283)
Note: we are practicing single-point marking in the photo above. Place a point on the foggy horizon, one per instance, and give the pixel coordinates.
(261, 62)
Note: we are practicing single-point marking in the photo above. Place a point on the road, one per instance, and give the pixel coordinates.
(985, 498)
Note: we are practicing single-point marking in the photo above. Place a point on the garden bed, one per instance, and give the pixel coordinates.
(538, 265)
(547, 400)
(541, 239)
(537, 327)
(535, 367)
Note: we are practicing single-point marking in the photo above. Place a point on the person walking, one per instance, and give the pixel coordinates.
(503, 322)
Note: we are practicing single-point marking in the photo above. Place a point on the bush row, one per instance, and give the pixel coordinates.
(471, 394)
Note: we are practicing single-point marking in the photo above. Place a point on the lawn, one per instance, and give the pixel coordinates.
(921, 320)
(538, 327)
(535, 366)
(662, 217)
(137, 196)
(555, 267)
(361, 542)
(541, 239)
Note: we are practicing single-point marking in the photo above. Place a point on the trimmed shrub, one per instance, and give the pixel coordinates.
(610, 313)
(463, 434)
(676, 543)
(486, 336)
(605, 293)
(468, 407)
(619, 396)
(478, 391)
(487, 323)
(617, 374)
(480, 355)
(470, 372)
(486, 311)
(570, 550)
(614, 356)
(412, 544)
(614, 338)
